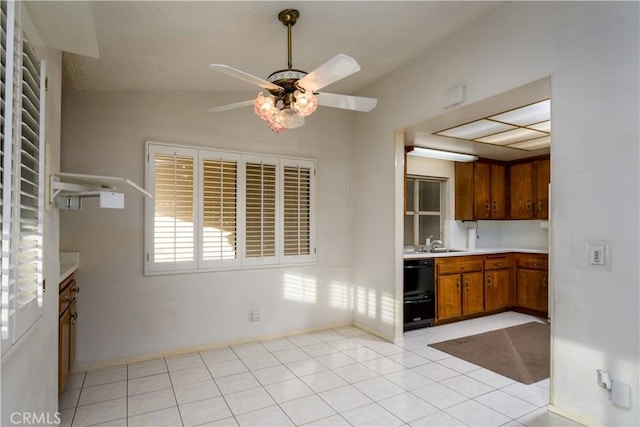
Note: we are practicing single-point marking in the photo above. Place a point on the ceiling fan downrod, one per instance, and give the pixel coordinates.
(289, 17)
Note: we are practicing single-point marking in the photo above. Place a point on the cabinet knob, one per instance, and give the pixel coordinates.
(487, 206)
(489, 282)
(458, 285)
(528, 206)
(76, 289)
(73, 318)
(495, 207)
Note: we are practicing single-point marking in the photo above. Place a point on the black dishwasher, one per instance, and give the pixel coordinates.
(419, 293)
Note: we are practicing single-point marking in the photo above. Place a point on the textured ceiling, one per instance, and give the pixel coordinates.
(165, 45)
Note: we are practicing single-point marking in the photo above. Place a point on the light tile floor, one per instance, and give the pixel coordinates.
(335, 377)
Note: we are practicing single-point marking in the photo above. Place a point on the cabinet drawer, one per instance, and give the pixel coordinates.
(461, 266)
(533, 262)
(497, 263)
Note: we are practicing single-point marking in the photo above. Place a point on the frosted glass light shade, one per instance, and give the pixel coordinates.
(511, 136)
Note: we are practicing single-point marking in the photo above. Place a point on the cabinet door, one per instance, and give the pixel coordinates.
(464, 191)
(63, 350)
(73, 316)
(496, 289)
(521, 190)
(448, 297)
(498, 192)
(541, 188)
(482, 190)
(533, 290)
(473, 297)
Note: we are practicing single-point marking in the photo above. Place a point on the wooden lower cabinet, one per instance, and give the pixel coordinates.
(68, 314)
(533, 290)
(497, 282)
(459, 287)
(532, 282)
(449, 299)
(496, 289)
(473, 293)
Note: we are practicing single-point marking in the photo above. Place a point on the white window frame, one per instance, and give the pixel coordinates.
(241, 261)
(21, 302)
(416, 213)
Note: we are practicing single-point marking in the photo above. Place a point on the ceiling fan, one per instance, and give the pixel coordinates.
(292, 94)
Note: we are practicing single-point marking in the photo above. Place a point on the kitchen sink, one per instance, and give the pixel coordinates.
(434, 251)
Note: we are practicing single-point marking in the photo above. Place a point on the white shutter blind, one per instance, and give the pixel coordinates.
(23, 182)
(174, 219)
(260, 212)
(3, 78)
(219, 211)
(297, 210)
(30, 249)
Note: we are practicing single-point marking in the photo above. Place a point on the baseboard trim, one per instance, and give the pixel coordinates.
(572, 416)
(178, 352)
(372, 331)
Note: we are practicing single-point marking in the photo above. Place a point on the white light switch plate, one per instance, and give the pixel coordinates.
(598, 254)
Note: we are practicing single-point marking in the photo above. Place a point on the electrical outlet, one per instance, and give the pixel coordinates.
(621, 394)
(255, 315)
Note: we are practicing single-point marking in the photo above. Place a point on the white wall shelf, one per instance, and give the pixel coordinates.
(77, 187)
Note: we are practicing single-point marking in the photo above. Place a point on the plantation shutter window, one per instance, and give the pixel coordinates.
(260, 214)
(297, 184)
(22, 178)
(174, 213)
(215, 210)
(219, 210)
(3, 78)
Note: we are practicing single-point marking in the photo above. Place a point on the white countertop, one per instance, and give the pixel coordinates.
(466, 252)
(69, 262)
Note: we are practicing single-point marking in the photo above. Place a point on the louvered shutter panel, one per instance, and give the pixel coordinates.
(297, 206)
(174, 215)
(22, 184)
(219, 236)
(3, 77)
(260, 212)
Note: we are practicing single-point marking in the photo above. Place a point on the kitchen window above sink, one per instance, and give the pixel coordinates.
(423, 211)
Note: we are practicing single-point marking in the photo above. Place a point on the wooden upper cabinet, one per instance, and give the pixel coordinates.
(542, 170)
(480, 190)
(464, 191)
(498, 191)
(529, 189)
(521, 190)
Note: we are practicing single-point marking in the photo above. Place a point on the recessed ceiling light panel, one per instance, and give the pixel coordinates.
(511, 136)
(533, 144)
(476, 129)
(523, 116)
(542, 127)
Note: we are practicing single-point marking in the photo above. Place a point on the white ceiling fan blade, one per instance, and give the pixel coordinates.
(347, 102)
(246, 77)
(231, 106)
(338, 67)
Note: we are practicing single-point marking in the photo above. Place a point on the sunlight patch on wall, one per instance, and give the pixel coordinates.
(299, 287)
(340, 295)
(371, 303)
(387, 308)
(362, 300)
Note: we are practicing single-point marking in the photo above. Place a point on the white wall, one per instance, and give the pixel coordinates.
(590, 50)
(30, 368)
(123, 314)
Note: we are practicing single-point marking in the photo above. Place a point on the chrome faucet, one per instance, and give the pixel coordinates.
(427, 242)
(436, 244)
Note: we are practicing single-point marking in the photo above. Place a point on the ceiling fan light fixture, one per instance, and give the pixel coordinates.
(305, 103)
(264, 106)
